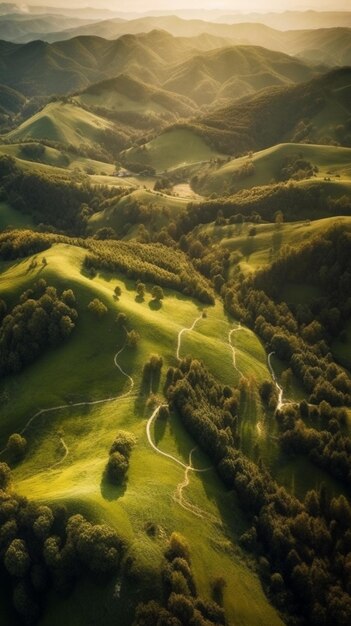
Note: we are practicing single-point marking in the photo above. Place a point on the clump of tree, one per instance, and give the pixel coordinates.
(118, 462)
(152, 372)
(16, 447)
(157, 293)
(42, 547)
(97, 307)
(181, 603)
(42, 318)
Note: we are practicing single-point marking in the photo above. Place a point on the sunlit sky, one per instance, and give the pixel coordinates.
(226, 5)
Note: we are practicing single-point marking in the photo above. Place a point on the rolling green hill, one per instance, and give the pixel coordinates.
(261, 249)
(152, 479)
(266, 166)
(160, 209)
(63, 123)
(170, 150)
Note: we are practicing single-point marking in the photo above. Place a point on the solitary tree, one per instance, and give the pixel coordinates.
(140, 289)
(157, 293)
(16, 446)
(97, 307)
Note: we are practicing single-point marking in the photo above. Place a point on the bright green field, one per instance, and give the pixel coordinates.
(83, 369)
(64, 123)
(331, 162)
(269, 239)
(171, 150)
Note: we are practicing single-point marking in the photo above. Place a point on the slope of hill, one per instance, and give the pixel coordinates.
(281, 162)
(170, 150)
(63, 123)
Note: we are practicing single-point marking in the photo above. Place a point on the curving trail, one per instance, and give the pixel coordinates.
(66, 453)
(280, 390)
(185, 330)
(86, 403)
(178, 494)
(185, 504)
(233, 349)
(165, 454)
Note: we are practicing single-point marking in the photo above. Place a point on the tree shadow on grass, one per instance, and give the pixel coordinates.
(155, 305)
(159, 430)
(109, 491)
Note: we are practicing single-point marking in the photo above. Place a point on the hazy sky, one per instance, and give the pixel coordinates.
(226, 5)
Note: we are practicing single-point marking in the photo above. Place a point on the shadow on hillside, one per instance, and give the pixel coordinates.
(159, 429)
(111, 492)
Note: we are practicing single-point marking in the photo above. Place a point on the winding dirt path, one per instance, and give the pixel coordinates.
(178, 494)
(185, 330)
(86, 403)
(182, 501)
(233, 349)
(280, 390)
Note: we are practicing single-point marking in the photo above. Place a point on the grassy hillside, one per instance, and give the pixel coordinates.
(63, 123)
(55, 158)
(170, 150)
(88, 432)
(265, 245)
(266, 166)
(160, 209)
